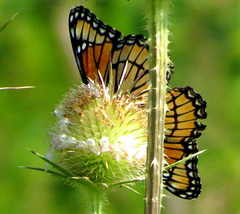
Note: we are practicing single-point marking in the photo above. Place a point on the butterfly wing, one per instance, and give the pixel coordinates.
(185, 108)
(92, 43)
(99, 48)
(130, 65)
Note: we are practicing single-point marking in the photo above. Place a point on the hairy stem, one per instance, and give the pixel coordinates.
(157, 23)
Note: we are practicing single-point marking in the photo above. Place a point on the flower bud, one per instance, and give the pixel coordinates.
(99, 136)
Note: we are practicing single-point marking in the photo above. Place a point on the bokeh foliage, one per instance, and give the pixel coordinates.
(35, 50)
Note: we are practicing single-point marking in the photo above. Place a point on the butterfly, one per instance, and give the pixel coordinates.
(103, 55)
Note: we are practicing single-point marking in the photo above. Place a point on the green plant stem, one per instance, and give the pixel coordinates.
(97, 198)
(157, 23)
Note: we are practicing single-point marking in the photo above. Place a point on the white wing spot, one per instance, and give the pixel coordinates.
(111, 35)
(197, 103)
(95, 24)
(120, 45)
(141, 42)
(102, 30)
(190, 165)
(72, 32)
(166, 174)
(191, 174)
(190, 94)
(76, 14)
(190, 146)
(71, 18)
(130, 42)
(84, 45)
(199, 112)
(189, 193)
(183, 196)
(88, 18)
(78, 48)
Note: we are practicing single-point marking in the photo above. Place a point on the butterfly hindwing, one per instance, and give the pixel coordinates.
(182, 128)
(183, 180)
(129, 63)
(185, 107)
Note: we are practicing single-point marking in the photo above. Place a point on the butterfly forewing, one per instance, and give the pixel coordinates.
(92, 43)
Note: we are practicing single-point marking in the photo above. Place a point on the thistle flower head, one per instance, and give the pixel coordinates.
(99, 136)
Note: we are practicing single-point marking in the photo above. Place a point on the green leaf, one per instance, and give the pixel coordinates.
(44, 170)
(64, 173)
(184, 159)
(6, 24)
(16, 88)
(59, 168)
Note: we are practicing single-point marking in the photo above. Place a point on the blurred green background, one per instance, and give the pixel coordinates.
(35, 50)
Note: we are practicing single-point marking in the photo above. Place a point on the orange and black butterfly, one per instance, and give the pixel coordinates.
(103, 55)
